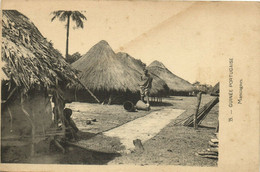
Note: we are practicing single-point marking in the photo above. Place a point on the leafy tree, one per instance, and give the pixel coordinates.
(74, 57)
(196, 83)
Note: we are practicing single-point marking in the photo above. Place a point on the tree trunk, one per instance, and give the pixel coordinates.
(33, 140)
(76, 94)
(67, 39)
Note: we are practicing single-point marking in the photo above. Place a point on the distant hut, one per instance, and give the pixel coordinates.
(215, 90)
(111, 76)
(177, 85)
(33, 74)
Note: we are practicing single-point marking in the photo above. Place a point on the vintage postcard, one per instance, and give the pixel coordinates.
(129, 85)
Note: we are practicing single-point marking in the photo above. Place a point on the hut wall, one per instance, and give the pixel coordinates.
(17, 124)
(118, 97)
(180, 93)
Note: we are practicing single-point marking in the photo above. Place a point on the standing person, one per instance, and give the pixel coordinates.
(145, 85)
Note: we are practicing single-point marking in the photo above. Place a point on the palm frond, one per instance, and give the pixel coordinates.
(80, 15)
(56, 14)
(79, 22)
(78, 18)
(64, 15)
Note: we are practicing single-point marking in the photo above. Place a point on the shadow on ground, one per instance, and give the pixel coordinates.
(207, 127)
(85, 135)
(160, 104)
(83, 156)
(73, 155)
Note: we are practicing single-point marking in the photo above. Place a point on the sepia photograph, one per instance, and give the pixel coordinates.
(122, 82)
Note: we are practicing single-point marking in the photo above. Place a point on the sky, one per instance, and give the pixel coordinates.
(194, 40)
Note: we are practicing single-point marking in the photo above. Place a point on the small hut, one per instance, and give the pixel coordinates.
(110, 76)
(215, 90)
(177, 85)
(34, 76)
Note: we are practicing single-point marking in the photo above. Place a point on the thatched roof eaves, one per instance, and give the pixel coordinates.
(29, 58)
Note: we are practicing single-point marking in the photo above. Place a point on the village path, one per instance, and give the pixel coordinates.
(143, 128)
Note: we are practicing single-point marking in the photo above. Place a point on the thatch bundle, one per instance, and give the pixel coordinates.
(104, 70)
(30, 60)
(176, 84)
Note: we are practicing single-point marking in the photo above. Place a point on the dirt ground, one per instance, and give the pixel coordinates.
(173, 145)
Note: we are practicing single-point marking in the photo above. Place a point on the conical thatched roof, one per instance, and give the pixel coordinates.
(103, 70)
(29, 59)
(156, 63)
(174, 82)
(159, 87)
(215, 89)
(131, 62)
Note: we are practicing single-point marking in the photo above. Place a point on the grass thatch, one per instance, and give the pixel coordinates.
(29, 59)
(175, 83)
(159, 87)
(215, 90)
(104, 70)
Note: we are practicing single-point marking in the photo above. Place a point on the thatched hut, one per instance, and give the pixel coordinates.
(177, 85)
(215, 90)
(34, 73)
(109, 74)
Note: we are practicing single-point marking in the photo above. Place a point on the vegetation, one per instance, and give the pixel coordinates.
(204, 88)
(63, 15)
(74, 57)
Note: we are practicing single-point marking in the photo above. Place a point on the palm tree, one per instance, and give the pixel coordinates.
(66, 15)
